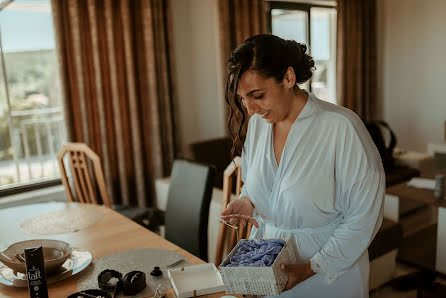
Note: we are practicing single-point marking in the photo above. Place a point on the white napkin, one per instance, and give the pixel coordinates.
(422, 183)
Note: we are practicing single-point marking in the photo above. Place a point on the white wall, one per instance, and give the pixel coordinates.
(412, 61)
(199, 103)
(412, 70)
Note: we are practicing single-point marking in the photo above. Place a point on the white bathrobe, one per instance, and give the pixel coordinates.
(326, 195)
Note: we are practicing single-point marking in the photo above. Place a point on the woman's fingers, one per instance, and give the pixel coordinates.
(296, 273)
(238, 207)
(227, 211)
(242, 221)
(242, 224)
(234, 221)
(288, 270)
(254, 222)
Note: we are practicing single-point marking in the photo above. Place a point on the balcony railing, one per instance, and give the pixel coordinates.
(36, 137)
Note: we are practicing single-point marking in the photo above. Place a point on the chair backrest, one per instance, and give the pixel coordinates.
(187, 211)
(440, 160)
(80, 156)
(215, 152)
(233, 170)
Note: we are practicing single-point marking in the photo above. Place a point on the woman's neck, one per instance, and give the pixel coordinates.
(297, 103)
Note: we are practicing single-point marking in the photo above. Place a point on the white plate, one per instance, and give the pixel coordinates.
(78, 261)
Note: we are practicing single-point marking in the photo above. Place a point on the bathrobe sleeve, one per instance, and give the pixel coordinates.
(360, 189)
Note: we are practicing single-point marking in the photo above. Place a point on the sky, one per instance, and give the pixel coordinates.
(292, 24)
(27, 25)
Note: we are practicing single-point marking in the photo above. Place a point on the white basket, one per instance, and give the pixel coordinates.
(257, 280)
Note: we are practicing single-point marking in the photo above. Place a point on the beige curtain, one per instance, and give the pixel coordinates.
(356, 57)
(115, 58)
(239, 20)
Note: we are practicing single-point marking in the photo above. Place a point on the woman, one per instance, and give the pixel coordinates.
(311, 172)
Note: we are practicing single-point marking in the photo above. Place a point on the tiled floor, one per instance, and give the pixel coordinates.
(387, 291)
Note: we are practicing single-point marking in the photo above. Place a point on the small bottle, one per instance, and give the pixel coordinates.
(439, 187)
(35, 272)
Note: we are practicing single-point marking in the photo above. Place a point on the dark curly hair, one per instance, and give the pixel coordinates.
(269, 56)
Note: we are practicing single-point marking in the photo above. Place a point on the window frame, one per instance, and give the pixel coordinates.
(19, 188)
(306, 7)
(26, 187)
(4, 3)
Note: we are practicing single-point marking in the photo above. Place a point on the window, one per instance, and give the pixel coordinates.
(315, 26)
(32, 127)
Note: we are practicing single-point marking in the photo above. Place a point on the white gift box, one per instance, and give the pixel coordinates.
(196, 280)
(257, 280)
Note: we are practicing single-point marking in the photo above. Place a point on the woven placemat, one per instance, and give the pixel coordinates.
(130, 260)
(72, 218)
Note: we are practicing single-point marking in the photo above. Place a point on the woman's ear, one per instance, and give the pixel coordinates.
(289, 79)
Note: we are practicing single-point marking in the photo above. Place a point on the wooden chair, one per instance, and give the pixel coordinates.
(80, 156)
(233, 169)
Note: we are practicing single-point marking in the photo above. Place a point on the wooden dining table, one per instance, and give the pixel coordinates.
(112, 233)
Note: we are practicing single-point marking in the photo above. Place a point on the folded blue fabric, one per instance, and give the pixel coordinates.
(256, 253)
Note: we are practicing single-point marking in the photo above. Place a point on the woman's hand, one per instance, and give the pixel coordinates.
(242, 206)
(297, 274)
